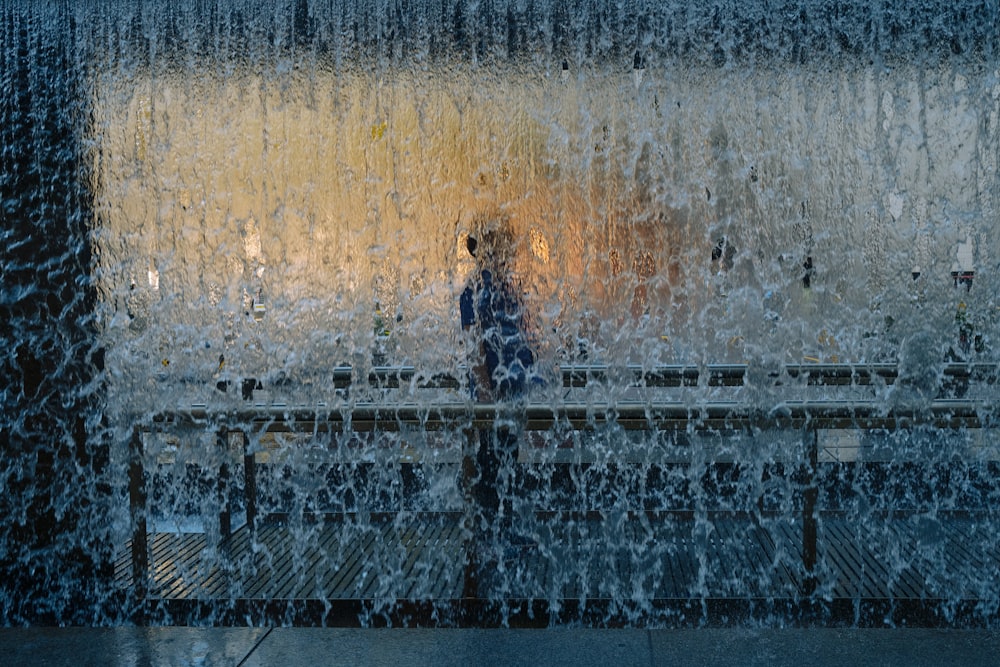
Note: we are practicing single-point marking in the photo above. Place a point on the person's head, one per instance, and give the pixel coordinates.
(491, 241)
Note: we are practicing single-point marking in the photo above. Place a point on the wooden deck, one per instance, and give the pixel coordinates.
(632, 560)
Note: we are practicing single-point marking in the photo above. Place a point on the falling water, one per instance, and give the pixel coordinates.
(234, 246)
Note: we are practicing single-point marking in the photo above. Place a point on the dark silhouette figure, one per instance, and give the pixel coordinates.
(501, 371)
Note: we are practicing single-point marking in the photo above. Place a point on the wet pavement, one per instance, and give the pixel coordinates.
(291, 647)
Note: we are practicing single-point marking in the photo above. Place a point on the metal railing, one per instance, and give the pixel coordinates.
(951, 408)
(961, 402)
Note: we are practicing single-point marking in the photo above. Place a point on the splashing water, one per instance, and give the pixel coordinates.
(753, 252)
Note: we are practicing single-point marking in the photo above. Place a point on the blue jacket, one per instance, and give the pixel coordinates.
(496, 311)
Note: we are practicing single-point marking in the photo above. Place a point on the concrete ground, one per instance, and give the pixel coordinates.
(291, 647)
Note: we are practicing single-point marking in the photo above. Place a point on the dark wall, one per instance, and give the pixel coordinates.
(545, 32)
(55, 549)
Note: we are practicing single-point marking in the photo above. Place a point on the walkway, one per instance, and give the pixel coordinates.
(292, 647)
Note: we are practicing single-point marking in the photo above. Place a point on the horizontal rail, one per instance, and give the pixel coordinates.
(681, 375)
(394, 413)
(362, 416)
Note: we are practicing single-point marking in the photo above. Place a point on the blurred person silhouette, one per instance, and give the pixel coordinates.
(501, 370)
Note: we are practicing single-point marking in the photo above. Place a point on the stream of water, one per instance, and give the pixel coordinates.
(221, 215)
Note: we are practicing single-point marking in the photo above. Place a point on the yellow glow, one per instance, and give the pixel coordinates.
(539, 246)
(325, 193)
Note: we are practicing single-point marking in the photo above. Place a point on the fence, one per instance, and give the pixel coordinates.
(811, 400)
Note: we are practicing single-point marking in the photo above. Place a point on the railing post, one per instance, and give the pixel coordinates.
(472, 513)
(250, 483)
(137, 512)
(810, 520)
(222, 489)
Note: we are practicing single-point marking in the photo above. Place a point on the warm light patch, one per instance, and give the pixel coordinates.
(539, 246)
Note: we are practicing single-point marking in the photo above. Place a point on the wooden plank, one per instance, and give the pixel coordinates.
(674, 579)
(774, 539)
(965, 566)
(248, 553)
(738, 552)
(305, 581)
(847, 566)
(728, 556)
(123, 565)
(267, 548)
(679, 581)
(843, 559)
(426, 554)
(872, 570)
(686, 563)
(415, 543)
(908, 582)
(241, 557)
(714, 564)
(791, 543)
(292, 550)
(449, 581)
(167, 546)
(644, 560)
(384, 554)
(311, 583)
(416, 547)
(243, 561)
(222, 580)
(752, 562)
(300, 552)
(191, 576)
(422, 541)
(960, 535)
(225, 579)
(175, 568)
(335, 584)
(272, 558)
(768, 561)
(973, 565)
